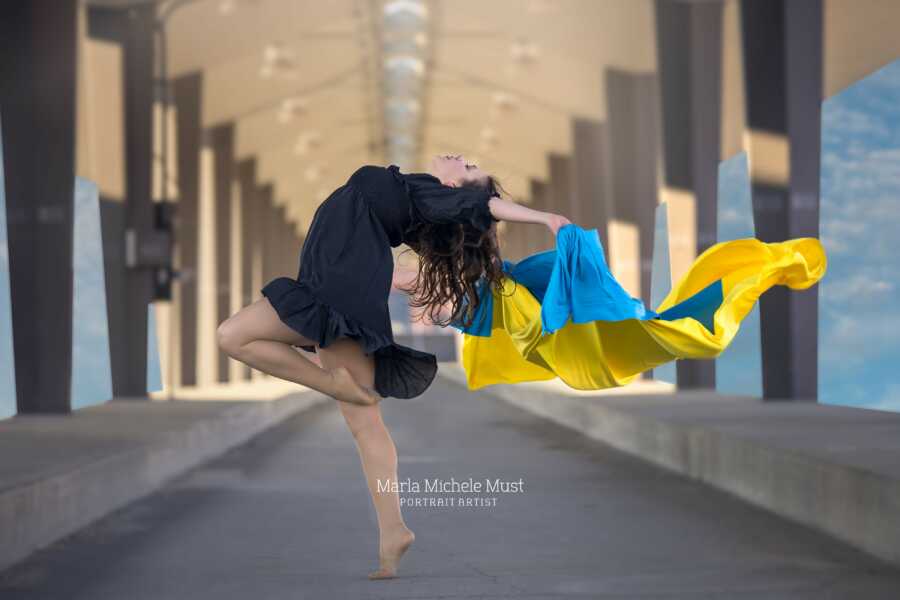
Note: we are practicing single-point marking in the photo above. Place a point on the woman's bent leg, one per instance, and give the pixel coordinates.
(256, 336)
(377, 453)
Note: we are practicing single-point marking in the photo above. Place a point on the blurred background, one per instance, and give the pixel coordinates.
(162, 161)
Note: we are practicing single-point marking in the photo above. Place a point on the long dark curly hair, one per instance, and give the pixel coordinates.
(452, 259)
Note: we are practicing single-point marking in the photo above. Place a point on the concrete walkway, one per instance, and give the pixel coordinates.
(287, 515)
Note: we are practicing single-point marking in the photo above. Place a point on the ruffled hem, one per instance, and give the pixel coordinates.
(400, 371)
(431, 201)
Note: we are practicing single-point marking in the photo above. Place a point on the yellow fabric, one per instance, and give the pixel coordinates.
(603, 354)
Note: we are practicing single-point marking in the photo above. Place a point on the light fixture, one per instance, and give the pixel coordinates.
(306, 142)
(226, 7)
(404, 44)
(403, 12)
(504, 101)
(541, 7)
(314, 172)
(522, 51)
(409, 65)
(278, 59)
(291, 108)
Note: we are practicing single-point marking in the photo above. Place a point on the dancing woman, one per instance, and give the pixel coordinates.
(337, 306)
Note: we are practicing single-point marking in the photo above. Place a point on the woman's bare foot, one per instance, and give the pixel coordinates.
(390, 552)
(345, 388)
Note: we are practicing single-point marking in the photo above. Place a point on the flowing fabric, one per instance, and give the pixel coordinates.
(561, 313)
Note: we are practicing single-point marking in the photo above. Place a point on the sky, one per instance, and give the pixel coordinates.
(859, 334)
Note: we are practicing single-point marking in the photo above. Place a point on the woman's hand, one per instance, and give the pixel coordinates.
(554, 222)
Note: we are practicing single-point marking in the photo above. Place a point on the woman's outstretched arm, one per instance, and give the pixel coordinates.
(506, 210)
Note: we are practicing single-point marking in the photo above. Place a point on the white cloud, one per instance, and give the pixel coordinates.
(859, 290)
(731, 215)
(853, 339)
(889, 400)
(860, 209)
(837, 118)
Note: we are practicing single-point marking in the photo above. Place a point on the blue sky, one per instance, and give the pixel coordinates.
(91, 382)
(859, 333)
(7, 371)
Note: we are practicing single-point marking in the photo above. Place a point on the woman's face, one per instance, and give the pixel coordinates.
(454, 170)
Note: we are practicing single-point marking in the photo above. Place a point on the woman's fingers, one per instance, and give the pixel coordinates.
(557, 221)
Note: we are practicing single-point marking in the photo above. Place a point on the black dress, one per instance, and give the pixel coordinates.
(346, 266)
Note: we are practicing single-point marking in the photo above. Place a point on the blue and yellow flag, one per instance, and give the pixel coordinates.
(561, 313)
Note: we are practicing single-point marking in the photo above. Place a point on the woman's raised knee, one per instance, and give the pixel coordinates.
(229, 337)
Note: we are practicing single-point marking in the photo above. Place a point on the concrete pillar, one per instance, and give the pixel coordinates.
(281, 239)
(294, 264)
(221, 139)
(258, 272)
(245, 172)
(539, 236)
(515, 242)
(246, 175)
(269, 217)
(38, 41)
(293, 249)
(138, 43)
(290, 250)
(518, 243)
(130, 289)
(590, 177)
(782, 47)
(689, 55)
(560, 185)
(507, 244)
(187, 99)
(633, 110)
(262, 250)
(300, 241)
(278, 245)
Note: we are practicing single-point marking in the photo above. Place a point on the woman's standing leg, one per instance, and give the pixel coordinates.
(377, 453)
(256, 336)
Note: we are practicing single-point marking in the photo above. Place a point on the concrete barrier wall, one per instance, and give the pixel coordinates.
(833, 468)
(62, 498)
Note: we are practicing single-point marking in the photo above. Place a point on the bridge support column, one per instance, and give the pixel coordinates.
(221, 140)
(539, 239)
(263, 252)
(560, 186)
(633, 109)
(38, 40)
(782, 45)
(245, 172)
(130, 288)
(187, 98)
(268, 229)
(689, 55)
(589, 176)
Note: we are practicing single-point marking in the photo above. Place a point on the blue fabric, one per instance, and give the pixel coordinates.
(581, 285)
(484, 314)
(702, 306)
(574, 282)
